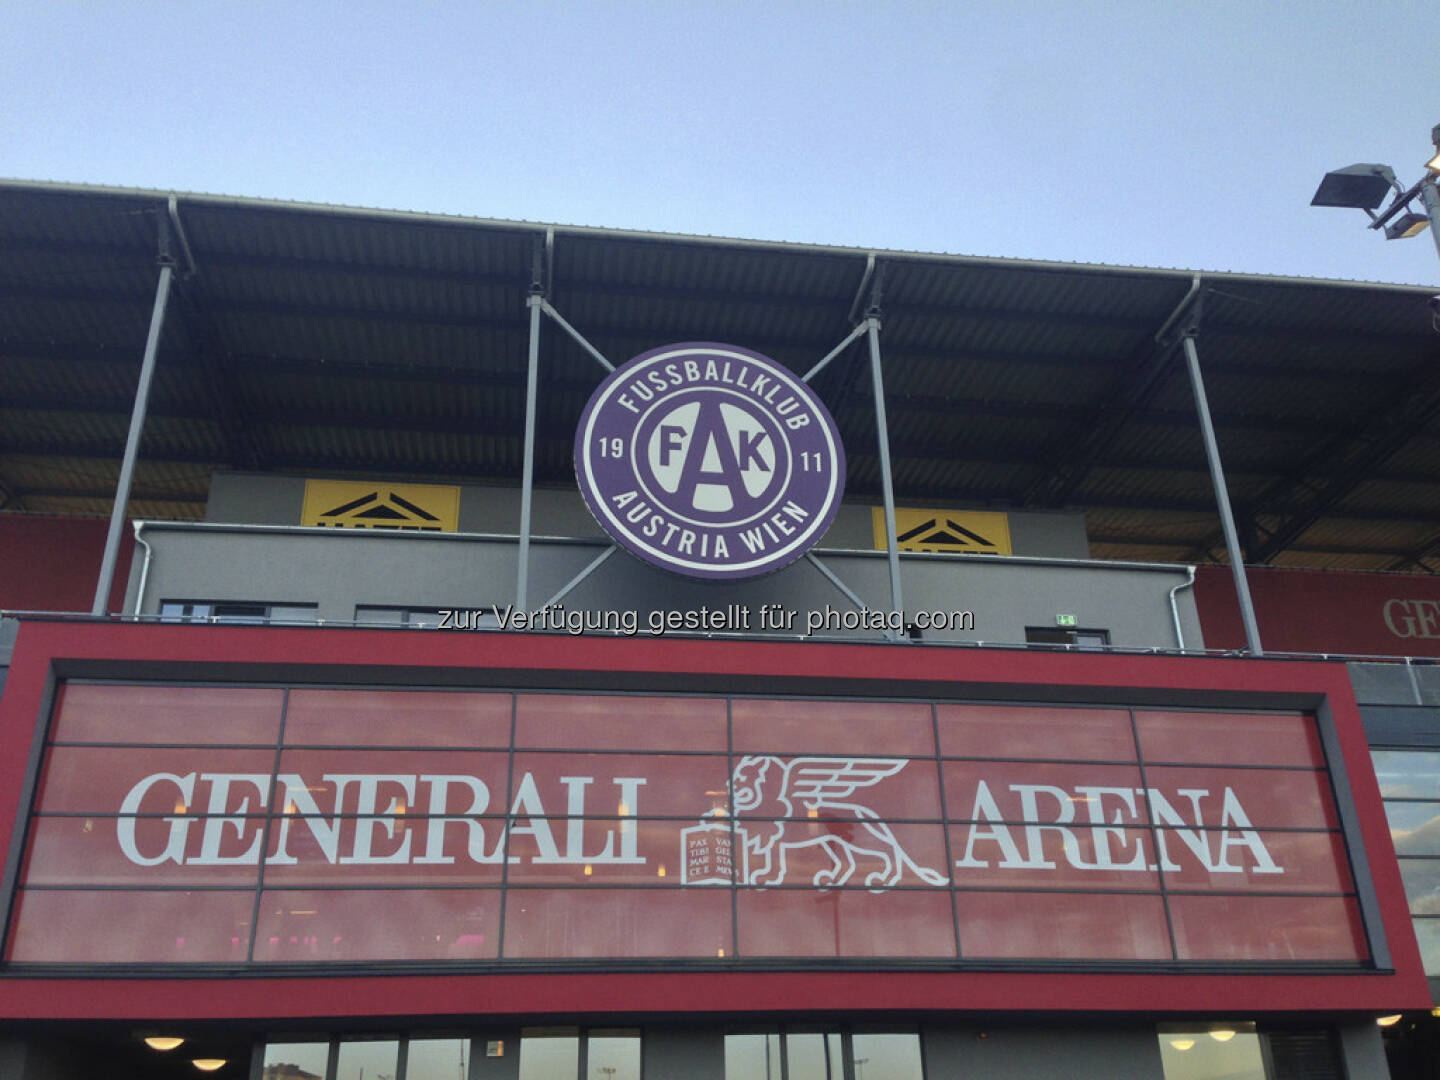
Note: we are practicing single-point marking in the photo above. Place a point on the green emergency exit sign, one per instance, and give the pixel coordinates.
(1067, 620)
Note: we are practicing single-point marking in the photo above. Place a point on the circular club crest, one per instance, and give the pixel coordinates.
(709, 460)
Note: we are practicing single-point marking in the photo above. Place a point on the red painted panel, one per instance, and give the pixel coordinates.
(1035, 731)
(168, 715)
(52, 563)
(167, 927)
(1324, 611)
(882, 729)
(616, 722)
(1266, 798)
(1260, 862)
(584, 923)
(98, 780)
(320, 925)
(845, 922)
(173, 850)
(1047, 791)
(396, 718)
(1241, 928)
(1078, 857)
(1229, 738)
(1072, 926)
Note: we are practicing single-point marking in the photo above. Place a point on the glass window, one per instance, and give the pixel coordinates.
(1221, 1051)
(1407, 774)
(296, 1061)
(753, 1057)
(613, 1055)
(415, 616)
(437, 1059)
(549, 1055)
(367, 1060)
(1414, 827)
(887, 1056)
(235, 611)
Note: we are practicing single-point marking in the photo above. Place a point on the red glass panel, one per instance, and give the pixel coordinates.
(1229, 738)
(879, 728)
(1035, 731)
(1266, 798)
(855, 853)
(845, 922)
(619, 784)
(397, 718)
(1267, 928)
(1062, 926)
(410, 849)
(599, 852)
(595, 923)
(168, 715)
(1047, 792)
(179, 850)
(142, 927)
(1239, 860)
(1053, 857)
(619, 722)
(842, 788)
(473, 781)
(99, 780)
(321, 925)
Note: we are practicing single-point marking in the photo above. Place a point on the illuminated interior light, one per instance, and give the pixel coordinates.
(303, 911)
(208, 1064)
(1388, 1021)
(1182, 1044)
(180, 807)
(660, 872)
(290, 807)
(1223, 1034)
(720, 953)
(163, 1042)
(624, 808)
(589, 869)
(813, 812)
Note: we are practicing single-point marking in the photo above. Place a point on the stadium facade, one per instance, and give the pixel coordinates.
(861, 713)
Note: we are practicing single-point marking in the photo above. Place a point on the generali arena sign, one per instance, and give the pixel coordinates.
(235, 825)
(711, 461)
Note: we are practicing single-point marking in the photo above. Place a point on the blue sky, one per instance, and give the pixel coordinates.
(1187, 134)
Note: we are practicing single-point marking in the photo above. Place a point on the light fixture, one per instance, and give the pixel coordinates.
(1388, 1021)
(1223, 1034)
(1434, 163)
(208, 1064)
(162, 1042)
(1406, 225)
(1182, 1044)
(1362, 187)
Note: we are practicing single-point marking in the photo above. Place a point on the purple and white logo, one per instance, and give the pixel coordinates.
(709, 460)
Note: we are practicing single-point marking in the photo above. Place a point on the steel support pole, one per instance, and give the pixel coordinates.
(132, 442)
(1222, 497)
(887, 482)
(1430, 196)
(527, 475)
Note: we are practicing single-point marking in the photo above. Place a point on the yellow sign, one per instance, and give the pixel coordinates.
(356, 504)
(969, 532)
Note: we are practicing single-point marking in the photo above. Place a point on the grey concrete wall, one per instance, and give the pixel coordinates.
(1362, 1050)
(266, 499)
(1021, 1053)
(338, 570)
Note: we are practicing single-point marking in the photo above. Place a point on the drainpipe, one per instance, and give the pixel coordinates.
(1175, 608)
(144, 570)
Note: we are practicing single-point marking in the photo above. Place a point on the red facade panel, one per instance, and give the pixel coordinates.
(775, 848)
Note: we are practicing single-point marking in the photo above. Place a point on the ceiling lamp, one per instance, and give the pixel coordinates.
(1223, 1034)
(1182, 1044)
(162, 1042)
(1388, 1021)
(208, 1064)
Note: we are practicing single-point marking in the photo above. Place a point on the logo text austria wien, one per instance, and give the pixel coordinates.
(709, 460)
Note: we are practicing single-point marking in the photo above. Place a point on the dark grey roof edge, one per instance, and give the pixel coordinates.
(418, 217)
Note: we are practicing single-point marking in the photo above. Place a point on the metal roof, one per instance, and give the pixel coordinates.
(331, 340)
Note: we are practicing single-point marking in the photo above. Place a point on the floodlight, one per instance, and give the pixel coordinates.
(1363, 187)
(1406, 225)
(1433, 165)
